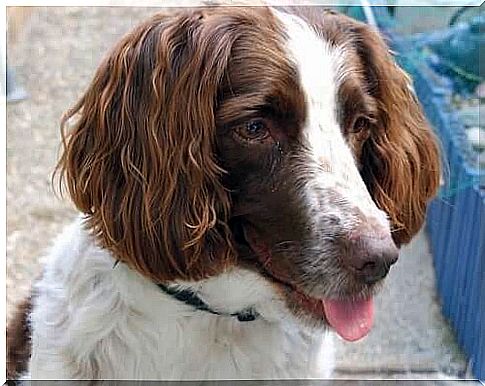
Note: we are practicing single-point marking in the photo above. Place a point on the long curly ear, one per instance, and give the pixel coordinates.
(401, 163)
(139, 158)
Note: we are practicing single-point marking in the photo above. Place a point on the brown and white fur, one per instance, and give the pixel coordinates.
(265, 159)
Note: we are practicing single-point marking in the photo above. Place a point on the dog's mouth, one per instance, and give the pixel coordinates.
(352, 319)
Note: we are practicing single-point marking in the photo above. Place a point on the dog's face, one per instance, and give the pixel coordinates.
(286, 146)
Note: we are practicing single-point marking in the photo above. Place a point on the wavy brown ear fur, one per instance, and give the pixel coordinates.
(139, 158)
(401, 158)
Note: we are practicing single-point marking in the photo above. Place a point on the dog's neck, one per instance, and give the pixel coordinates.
(218, 345)
(146, 332)
(191, 298)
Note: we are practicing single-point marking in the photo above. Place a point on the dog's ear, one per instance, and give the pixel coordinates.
(139, 156)
(401, 162)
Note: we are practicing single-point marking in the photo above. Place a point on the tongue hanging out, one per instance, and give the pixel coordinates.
(352, 320)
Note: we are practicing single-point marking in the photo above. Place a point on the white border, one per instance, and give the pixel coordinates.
(187, 3)
(140, 3)
(3, 192)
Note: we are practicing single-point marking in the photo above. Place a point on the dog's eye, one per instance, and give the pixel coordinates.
(361, 124)
(253, 130)
(360, 130)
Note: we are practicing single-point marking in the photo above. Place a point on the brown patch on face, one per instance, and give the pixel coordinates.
(261, 81)
(19, 340)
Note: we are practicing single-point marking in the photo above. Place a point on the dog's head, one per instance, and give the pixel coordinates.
(250, 140)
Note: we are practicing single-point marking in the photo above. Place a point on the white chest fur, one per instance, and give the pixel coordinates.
(91, 320)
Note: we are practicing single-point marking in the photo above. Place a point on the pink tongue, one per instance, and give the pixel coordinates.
(351, 319)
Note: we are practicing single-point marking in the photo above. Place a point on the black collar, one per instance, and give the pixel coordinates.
(190, 298)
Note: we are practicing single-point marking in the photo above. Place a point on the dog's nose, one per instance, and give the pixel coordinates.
(370, 254)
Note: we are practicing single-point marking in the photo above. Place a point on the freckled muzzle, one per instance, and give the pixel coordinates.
(327, 273)
(360, 236)
(336, 259)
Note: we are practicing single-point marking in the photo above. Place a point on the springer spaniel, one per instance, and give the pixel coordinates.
(245, 178)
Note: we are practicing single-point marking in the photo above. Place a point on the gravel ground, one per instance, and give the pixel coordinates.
(54, 58)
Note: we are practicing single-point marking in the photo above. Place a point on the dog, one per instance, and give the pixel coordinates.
(245, 178)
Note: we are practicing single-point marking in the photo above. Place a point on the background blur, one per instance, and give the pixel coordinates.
(52, 54)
